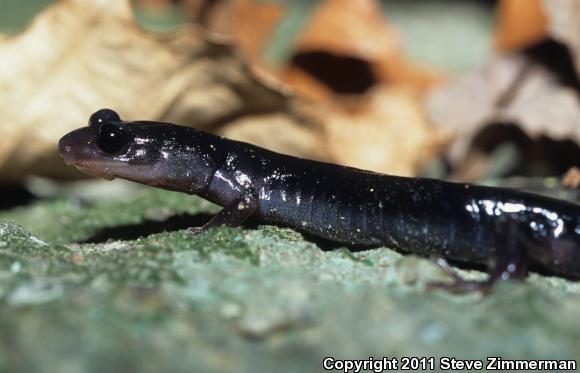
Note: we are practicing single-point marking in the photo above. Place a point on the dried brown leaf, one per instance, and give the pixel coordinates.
(347, 43)
(351, 44)
(349, 60)
(280, 133)
(386, 131)
(354, 27)
(521, 23)
(253, 24)
(536, 90)
(564, 24)
(509, 89)
(79, 56)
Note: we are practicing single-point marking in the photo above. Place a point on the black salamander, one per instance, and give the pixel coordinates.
(505, 228)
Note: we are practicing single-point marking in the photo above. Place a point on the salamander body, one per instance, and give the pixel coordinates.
(469, 223)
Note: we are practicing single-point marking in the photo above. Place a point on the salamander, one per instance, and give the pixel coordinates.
(504, 228)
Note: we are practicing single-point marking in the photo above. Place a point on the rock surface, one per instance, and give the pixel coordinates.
(256, 299)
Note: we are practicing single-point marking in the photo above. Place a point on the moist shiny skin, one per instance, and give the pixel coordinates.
(463, 222)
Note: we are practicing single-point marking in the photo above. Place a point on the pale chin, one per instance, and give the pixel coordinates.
(95, 173)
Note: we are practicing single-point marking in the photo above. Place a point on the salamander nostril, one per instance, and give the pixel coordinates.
(63, 147)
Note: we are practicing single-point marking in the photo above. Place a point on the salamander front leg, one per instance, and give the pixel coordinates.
(509, 261)
(232, 215)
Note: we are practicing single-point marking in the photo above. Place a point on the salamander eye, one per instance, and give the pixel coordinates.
(103, 116)
(112, 139)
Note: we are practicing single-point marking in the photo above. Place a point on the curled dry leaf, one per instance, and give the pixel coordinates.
(536, 89)
(521, 23)
(510, 89)
(79, 56)
(94, 55)
(348, 61)
(252, 24)
(279, 132)
(348, 47)
(387, 131)
(564, 24)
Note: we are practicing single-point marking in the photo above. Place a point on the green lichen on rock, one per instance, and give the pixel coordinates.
(262, 299)
(72, 220)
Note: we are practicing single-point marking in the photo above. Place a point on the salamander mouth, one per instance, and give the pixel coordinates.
(89, 167)
(97, 172)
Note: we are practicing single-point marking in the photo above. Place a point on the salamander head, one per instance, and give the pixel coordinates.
(158, 154)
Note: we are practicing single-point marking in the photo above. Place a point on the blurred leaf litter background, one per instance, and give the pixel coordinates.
(99, 278)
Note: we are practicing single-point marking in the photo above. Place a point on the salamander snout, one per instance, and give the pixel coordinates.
(78, 149)
(72, 145)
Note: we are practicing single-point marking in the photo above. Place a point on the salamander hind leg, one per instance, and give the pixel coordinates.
(232, 215)
(509, 259)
